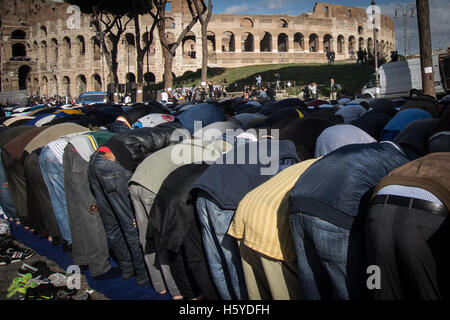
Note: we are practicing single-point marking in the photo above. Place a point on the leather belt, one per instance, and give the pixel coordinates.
(420, 204)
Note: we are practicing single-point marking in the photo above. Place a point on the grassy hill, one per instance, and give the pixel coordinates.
(350, 76)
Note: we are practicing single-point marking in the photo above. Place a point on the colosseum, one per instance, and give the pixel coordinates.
(42, 55)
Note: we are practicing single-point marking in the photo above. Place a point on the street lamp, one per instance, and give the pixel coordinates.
(404, 12)
(375, 55)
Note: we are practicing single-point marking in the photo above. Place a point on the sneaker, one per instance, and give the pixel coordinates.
(38, 268)
(20, 285)
(12, 255)
(58, 279)
(64, 293)
(43, 292)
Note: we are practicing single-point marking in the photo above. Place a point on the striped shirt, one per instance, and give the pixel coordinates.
(262, 217)
(57, 146)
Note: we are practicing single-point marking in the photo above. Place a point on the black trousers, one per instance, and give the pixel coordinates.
(40, 210)
(190, 269)
(412, 249)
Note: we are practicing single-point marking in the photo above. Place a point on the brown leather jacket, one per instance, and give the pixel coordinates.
(431, 173)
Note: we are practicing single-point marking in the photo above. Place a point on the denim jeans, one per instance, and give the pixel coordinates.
(6, 201)
(109, 181)
(221, 249)
(53, 175)
(321, 257)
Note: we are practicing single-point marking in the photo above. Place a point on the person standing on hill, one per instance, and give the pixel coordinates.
(277, 80)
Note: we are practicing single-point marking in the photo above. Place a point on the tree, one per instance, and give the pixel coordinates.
(169, 49)
(204, 20)
(426, 58)
(140, 7)
(110, 20)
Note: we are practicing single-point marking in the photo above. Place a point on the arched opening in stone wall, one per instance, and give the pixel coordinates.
(81, 84)
(81, 46)
(228, 43)
(327, 43)
(351, 45)
(282, 23)
(361, 43)
(246, 23)
(340, 44)
(360, 30)
(54, 86)
(265, 44)
(44, 86)
(313, 43)
(67, 48)
(44, 52)
(189, 43)
(43, 31)
(18, 35)
(211, 39)
(299, 42)
(18, 50)
(283, 45)
(370, 46)
(96, 46)
(35, 51)
(36, 87)
(54, 49)
(96, 82)
(66, 86)
(247, 42)
(23, 75)
(149, 78)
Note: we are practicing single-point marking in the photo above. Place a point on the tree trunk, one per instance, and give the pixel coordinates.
(426, 58)
(168, 61)
(204, 75)
(114, 63)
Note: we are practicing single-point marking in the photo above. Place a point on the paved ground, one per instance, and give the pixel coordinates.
(9, 272)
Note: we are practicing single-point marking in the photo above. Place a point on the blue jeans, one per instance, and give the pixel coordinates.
(6, 201)
(222, 251)
(109, 182)
(321, 257)
(53, 175)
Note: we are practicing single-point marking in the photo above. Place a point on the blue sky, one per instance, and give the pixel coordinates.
(439, 16)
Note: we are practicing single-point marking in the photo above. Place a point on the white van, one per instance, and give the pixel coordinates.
(403, 79)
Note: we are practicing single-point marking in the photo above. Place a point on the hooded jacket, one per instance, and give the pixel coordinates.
(337, 187)
(228, 183)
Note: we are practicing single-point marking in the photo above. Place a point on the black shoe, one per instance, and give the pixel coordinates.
(57, 241)
(112, 273)
(38, 268)
(67, 247)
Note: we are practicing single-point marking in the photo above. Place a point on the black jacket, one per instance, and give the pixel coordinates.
(229, 183)
(131, 147)
(337, 187)
(173, 211)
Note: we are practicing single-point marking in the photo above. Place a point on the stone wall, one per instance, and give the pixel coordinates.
(69, 61)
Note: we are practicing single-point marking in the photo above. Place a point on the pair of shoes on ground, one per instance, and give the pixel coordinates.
(19, 286)
(10, 253)
(38, 268)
